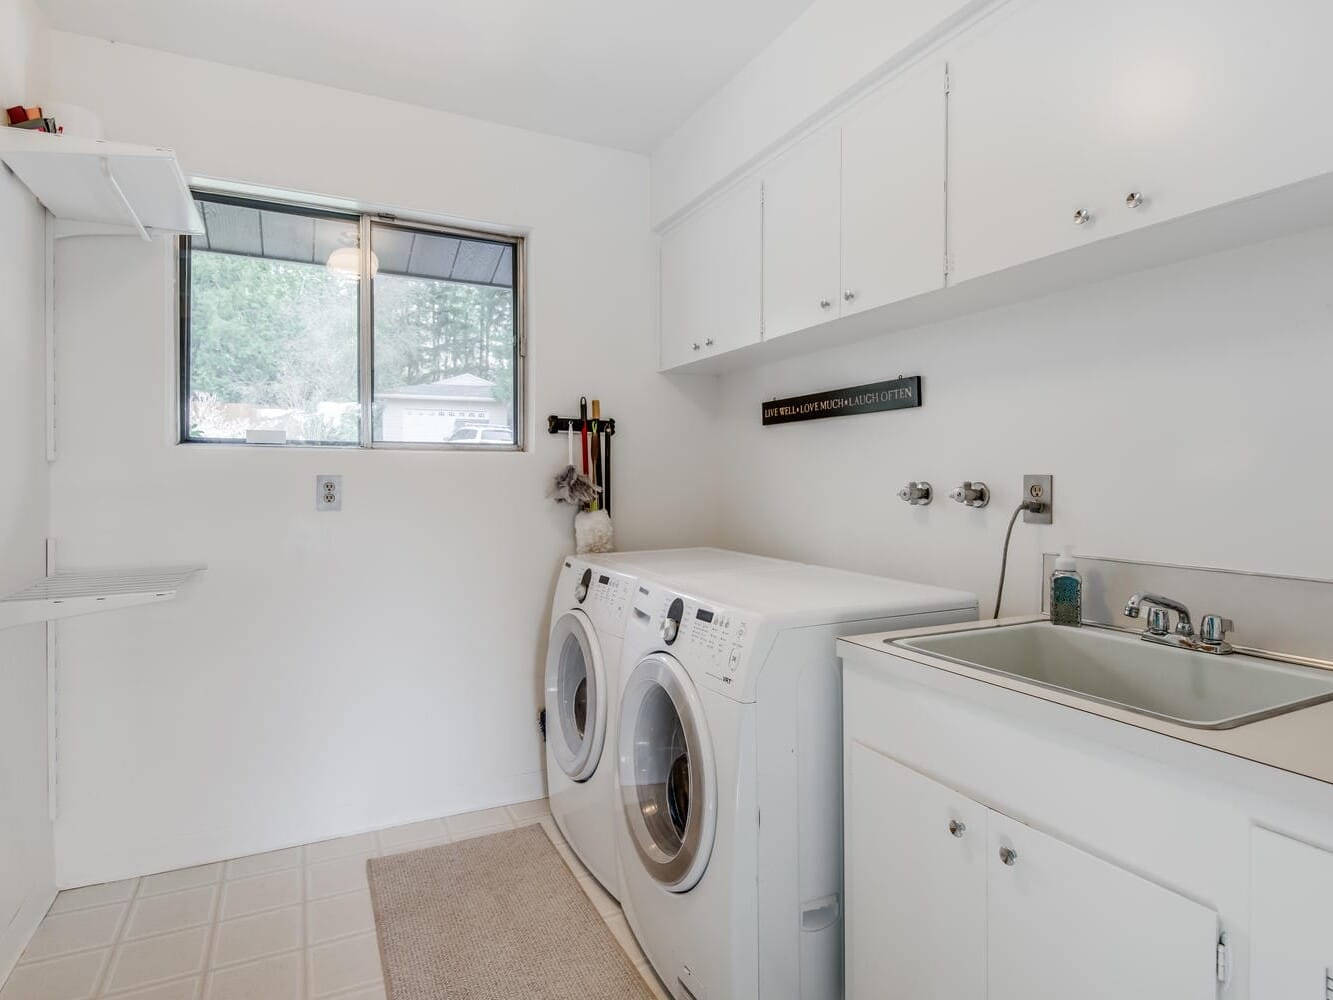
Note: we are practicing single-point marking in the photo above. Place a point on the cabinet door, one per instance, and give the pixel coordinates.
(1291, 924)
(893, 169)
(1062, 923)
(1029, 142)
(916, 890)
(711, 274)
(801, 238)
(1217, 101)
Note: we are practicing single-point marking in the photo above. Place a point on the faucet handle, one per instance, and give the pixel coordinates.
(1159, 621)
(1213, 629)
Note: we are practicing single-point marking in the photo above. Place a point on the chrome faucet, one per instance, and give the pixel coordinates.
(1184, 627)
(1214, 628)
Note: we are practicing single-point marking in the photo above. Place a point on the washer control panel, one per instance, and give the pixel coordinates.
(708, 638)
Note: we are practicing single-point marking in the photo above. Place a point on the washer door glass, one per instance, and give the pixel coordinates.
(667, 783)
(575, 696)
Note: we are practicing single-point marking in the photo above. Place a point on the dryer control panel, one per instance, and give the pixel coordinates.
(609, 596)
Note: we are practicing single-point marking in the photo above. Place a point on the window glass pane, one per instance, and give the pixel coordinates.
(445, 342)
(273, 325)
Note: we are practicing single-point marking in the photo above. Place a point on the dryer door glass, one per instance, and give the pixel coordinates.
(667, 784)
(575, 696)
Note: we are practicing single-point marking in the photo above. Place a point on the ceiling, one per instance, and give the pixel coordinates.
(615, 72)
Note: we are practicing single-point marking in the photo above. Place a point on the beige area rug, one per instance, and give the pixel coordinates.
(494, 918)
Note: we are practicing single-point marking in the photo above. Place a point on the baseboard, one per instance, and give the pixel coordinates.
(15, 937)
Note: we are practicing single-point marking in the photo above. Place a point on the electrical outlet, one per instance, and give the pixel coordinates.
(1042, 490)
(328, 492)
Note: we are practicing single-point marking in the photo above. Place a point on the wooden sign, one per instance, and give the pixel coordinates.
(895, 394)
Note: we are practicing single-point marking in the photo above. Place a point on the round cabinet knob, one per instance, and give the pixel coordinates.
(1082, 217)
(694, 346)
(848, 295)
(708, 342)
(825, 304)
(957, 828)
(1134, 199)
(1009, 856)
(1159, 621)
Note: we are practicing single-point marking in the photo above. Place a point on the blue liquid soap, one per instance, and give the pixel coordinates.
(1066, 591)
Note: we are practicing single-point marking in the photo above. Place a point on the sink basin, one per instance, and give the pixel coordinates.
(1202, 690)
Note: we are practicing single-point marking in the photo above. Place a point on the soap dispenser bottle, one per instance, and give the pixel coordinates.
(1066, 591)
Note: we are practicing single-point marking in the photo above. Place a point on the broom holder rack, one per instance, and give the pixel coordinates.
(559, 425)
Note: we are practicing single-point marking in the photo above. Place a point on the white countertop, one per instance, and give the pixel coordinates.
(1300, 742)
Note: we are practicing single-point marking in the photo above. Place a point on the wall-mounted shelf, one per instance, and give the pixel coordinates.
(98, 188)
(66, 595)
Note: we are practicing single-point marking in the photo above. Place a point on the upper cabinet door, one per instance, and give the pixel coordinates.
(1291, 924)
(1062, 923)
(1029, 146)
(1214, 102)
(712, 273)
(801, 238)
(893, 172)
(916, 884)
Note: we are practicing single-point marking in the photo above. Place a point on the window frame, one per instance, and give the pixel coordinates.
(365, 221)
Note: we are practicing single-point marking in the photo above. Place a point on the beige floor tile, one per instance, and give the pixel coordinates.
(185, 878)
(276, 978)
(571, 859)
(369, 993)
(475, 824)
(343, 965)
(242, 897)
(399, 837)
(552, 831)
(327, 850)
(601, 899)
(80, 930)
(94, 895)
(339, 916)
(152, 960)
(262, 864)
(180, 989)
(330, 878)
(73, 977)
(256, 936)
(173, 911)
(620, 930)
(529, 812)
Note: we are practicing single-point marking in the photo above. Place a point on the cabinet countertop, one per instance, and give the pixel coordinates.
(1300, 742)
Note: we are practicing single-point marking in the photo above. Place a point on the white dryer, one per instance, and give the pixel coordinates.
(731, 712)
(588, 613)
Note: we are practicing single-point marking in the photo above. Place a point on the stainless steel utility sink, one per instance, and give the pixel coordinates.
(1202, 690)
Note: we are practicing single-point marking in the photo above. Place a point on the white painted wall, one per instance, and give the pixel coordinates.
(27, 879)
(327, 674)
(1183, 411)
(834, 47)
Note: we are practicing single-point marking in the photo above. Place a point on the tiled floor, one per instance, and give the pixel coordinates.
(290, 925)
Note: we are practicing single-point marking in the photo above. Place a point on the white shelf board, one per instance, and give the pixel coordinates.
(66, 595)
(94, 187)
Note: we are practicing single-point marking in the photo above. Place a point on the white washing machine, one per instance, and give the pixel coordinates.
(731, 712)
(588, 613)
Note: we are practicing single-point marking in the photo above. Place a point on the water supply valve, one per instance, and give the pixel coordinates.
(918, 494)
(972, 494)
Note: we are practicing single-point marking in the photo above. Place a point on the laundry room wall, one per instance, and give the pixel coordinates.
(1182, 410)
(27, 875)
(331, 673)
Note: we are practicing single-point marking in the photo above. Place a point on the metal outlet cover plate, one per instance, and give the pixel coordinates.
(1040, 488)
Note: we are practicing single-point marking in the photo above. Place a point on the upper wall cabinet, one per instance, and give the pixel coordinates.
(893, 172)
(711, 273)
(801, 235)
(1069, 123)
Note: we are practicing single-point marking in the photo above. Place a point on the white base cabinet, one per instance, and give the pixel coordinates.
(1292, 923)
(947, 898)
